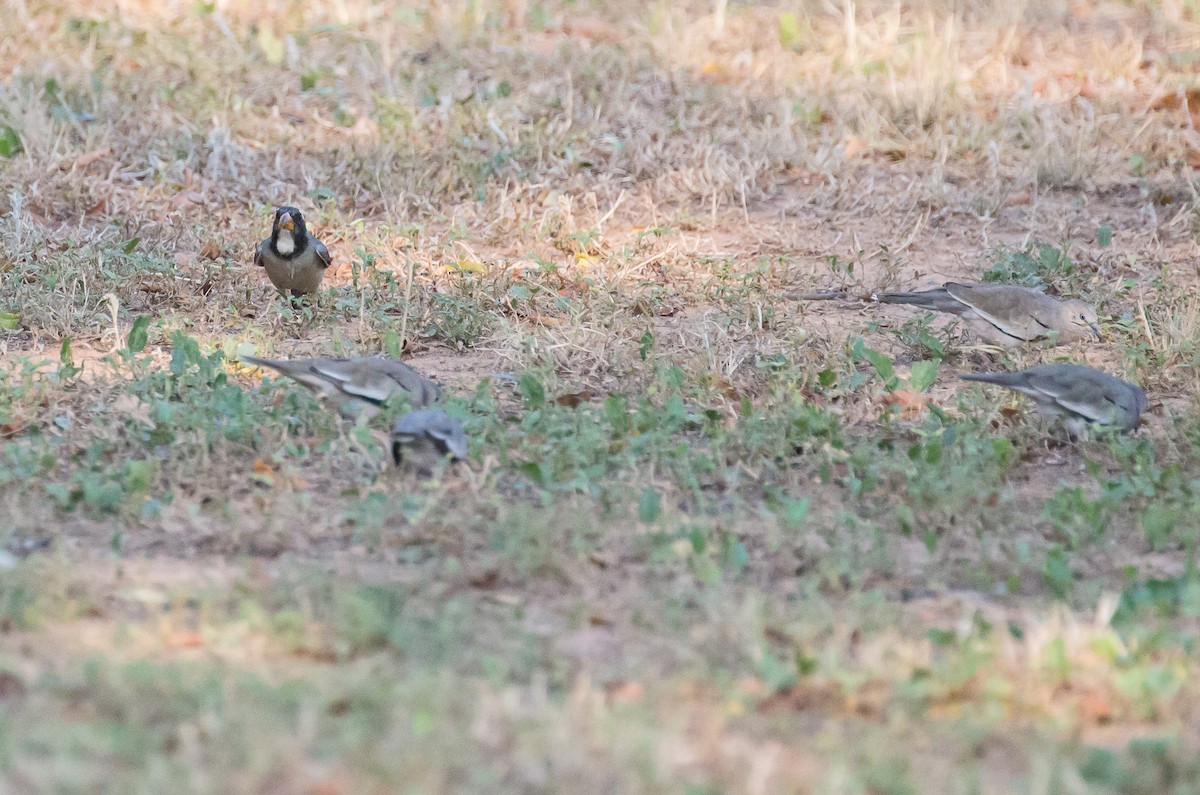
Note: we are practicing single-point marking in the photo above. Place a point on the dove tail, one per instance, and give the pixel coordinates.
(257, 362)
(999, 379)
(822, 295)
(938, 300)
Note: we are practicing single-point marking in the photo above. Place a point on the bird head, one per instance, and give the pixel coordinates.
(289, 219)
(1083, 316)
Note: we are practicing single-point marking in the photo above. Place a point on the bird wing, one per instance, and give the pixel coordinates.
(258, 252)
(374, 379)
(422, 390)
(1015, 311)
(1089, 394)
(322, 252)
(353, 377)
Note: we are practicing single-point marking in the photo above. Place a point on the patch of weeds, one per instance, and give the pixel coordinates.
(1146, 765)
(1078, 517)
(920, 340)
(946, 480)
(1159, 598)
(1039, 266)
(458, 320)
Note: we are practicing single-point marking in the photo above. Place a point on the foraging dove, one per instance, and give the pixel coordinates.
(359, 385)
(1076, 393)
(294, 260)
(1006, 315)
(423, 440)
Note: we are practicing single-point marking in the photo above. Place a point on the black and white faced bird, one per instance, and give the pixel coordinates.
(358, 386)
(427, 439)
(295, 262)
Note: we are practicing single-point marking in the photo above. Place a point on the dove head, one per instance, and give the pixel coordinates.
(1082, 317)
(1140, 404)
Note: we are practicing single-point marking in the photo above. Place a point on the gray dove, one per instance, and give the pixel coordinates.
(1075, 393)
(425, 438)
(295, 261)
(359, 385)
(1004, 314)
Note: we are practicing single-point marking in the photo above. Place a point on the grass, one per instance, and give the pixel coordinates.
(711, 539)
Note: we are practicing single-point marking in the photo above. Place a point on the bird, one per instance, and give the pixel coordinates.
(425, 439)
(295, 261)
(1077, 394)
(1004, 314)
(359, 385)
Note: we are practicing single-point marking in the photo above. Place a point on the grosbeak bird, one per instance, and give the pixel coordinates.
(295, 261)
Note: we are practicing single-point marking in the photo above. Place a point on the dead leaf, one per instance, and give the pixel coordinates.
(11, 429)
(190, 639)
(602, 559)
(911, 403)
(329, 786)
(592, 30)
(726, 387)
(263, 467)
(549, 321)
(184, 197)
(365, 127)
(1094, 707)
(100, 206)
(853, 146)
(624, 691)
(573, 399)
(488, 578)
(1021, 197)
(210, 250)
(87, 158)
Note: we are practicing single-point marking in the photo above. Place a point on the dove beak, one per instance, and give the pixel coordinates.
(286, 222)
(1096, 330)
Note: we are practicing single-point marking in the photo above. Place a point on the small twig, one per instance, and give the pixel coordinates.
(407, 298)
(604, 218)
(114, 306)
(823, 295)
(1146, 322)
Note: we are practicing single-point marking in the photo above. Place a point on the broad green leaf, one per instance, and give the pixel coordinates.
(271, 46)
(789, 29)
(647, 345)
(138, 335)
(10, 142)
(10, 321)
(532, 390)
(881, 363)
(392, 344)
(924, 374)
